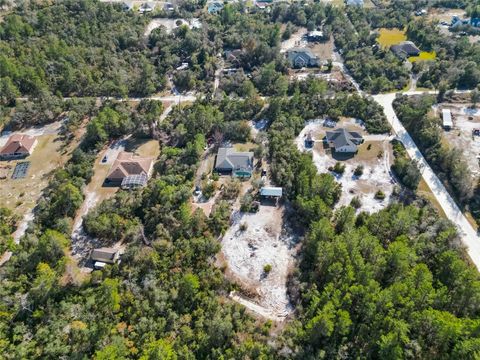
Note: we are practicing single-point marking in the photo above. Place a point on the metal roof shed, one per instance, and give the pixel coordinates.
(271, 191)
(447, 119)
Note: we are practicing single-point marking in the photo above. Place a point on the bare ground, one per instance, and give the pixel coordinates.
(265, 241)
(376, 163)
(465, 120)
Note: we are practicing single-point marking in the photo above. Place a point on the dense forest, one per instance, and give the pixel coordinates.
(390, 285)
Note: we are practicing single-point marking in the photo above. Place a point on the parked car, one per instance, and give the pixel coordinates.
(104, 160)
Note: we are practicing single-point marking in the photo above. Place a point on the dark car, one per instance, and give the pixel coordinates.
(104, 160)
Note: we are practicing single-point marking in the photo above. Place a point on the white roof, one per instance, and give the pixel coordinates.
(447, 117)
(271, 191)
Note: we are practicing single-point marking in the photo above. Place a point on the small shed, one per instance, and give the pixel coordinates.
(102, 256)
(447, 119)
(271, 192)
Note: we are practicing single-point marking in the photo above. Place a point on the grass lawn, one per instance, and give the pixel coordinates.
(369, 151)
(339, 3)
(389, 37)
(249, 146)
(424, 191)
(424, 56)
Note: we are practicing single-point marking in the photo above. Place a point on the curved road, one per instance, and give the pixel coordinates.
(468, 234)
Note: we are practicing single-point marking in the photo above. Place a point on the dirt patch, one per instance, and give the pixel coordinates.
(296, 39)
(446, 15)
(324, 50)
(374, 155)
(259, 252)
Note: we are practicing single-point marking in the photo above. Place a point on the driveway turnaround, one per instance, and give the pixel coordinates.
(468, 234)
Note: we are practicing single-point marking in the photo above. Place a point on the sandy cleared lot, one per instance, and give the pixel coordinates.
(171, 24)
(374, 155)
(295, 40)
(265, 241)
(465, 120)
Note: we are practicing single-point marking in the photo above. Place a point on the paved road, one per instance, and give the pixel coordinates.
(172, 98)
(468, 234)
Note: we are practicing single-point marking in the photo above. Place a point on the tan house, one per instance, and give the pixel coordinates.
(18, 146)
(130, 171)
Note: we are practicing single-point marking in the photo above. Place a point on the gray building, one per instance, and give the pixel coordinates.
(405, 49)
(236, 163)
(302, 57)
(344, 141)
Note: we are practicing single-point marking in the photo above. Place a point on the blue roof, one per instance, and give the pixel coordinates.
(271, 191)
(355, 2)
(214, 7)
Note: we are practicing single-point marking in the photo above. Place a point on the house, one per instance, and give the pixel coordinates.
(18, 146)
(354, 2)
(262, 5)
(302, 57)
(457, 22)
(309, 142)
(168, 7)
(405, 49)
(130, 171)
(271, 192)
(421, 12)
(234, 56)
(103, 256)
(146, 7)
(236, 163)
(343, 141)
(447, 119)
(127, 5)
(214, 7)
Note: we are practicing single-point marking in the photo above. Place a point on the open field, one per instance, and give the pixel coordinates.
(374, 155)
(389, 37)
(252, 242)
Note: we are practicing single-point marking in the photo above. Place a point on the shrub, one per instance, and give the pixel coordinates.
(267, 268)
(339, 168)
(379, 195)
(243, 226)
(358, 171)
(356, 203)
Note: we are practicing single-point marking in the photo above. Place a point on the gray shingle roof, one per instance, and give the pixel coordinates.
(343, 137)
(229, 159)
(406, 48)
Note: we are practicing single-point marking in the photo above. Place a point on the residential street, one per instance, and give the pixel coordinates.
(468, 234)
